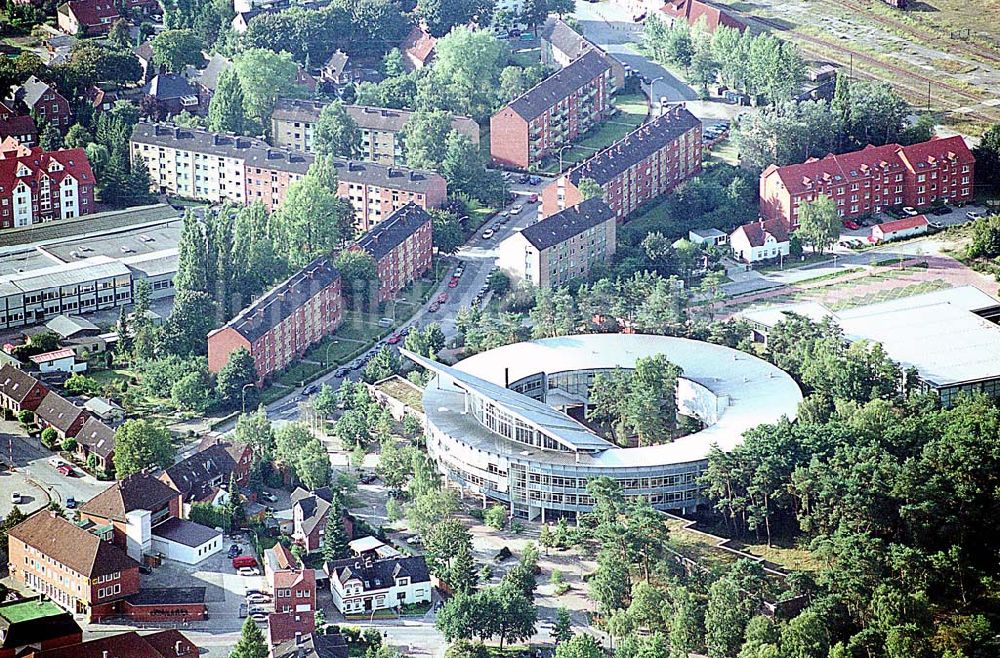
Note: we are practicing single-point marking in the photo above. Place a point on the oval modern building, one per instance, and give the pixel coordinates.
(496, 426)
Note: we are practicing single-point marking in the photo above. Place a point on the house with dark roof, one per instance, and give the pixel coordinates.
(172, 93)
(185, 541)
(130, 508)
(200, 476)
(561, 45)
(652, 160)
(330, 645)
(562, 247)
(765, 239)
(35, 623)
(310, 514)
(60, 414)
(401, 246)
(301, 310)
(206, 78)
(160, 644)
(19, 390)
(39, 99)
(97, 439)
(553, 113)
(293, 591)
(417, 49)
(78, 570)
(864, 182)
(361, 586)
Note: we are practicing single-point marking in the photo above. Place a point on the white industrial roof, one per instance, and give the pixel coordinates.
(69, 274)
(751, 391)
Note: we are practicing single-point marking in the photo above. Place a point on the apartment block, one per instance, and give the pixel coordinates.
(562, 247)
(648, 162)
(42, 186)
(77, 570)
(553, 113)
(293, 588)
(217, 167)
(281, 324)
(872, 179)
(41, 101)
(402, 248)
(293, 122)
(561, 44)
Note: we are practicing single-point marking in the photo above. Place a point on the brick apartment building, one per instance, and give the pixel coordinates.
(217, 167)
(160, 644)
(872, 179)
(40, 100)
(651, 160)
(77, 570)
(561, 247)
(42, 186)
(293, 590)
(694, 12)
(281, 324)
(28, 625)
(402, 248)
(552, 113)
(140, 492)
(21, 127)
(293, 122)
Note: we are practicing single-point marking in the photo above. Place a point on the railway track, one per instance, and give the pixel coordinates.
(980, 53)
(826, 50)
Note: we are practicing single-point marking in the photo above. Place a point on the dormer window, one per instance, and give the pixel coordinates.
(22, 170)
(55, 166)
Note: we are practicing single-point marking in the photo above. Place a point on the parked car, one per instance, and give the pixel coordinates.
(433, 308)
(941, 210)
(516, 210)
(457, 274)
(453, 283)
(368, 479)
(248, 571)
(442, 298)
(935, 226)
(268, 496)
(258, 597)
(341, 373)
(524, 179)
(55, 462)
(909, 210)
(244, 561)
(534, 180)
(393, 339)
(487, 234)
(234, 551)
(145, 569)
(66, 471)
(70, 502)
(974, 214)
(259, 617)
(852, 226)
(532, 198)
(15, 498)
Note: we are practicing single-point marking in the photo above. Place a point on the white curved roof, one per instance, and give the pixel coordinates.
(752, 391)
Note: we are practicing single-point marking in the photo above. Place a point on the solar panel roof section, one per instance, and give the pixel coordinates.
(552, 423)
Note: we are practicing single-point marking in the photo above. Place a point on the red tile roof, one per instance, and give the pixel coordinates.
(162, 644)
(902, 224)
(91, 12)
(55, 355)
(693, 10)
(21, 164)
(418, 44)
(890, 158)
(757, 232)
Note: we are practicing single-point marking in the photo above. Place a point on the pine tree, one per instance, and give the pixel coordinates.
(462, 575)
(251, 643)
(562, 629)
(334, 544)
(234, 505)
(225, 111)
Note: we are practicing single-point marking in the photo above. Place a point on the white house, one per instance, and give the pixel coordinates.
(760, 240)
(61, 360)
(707, 236)
(362, 585)
(900, 228)
(185, 541)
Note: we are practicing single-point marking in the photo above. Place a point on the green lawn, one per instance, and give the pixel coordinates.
(633, 110)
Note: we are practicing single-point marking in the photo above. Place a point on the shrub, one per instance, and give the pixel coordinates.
(495, 517)
(26, 416)
(50, 438)
(69, 444)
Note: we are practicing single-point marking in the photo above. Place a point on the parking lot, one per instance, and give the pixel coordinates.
(940, 218)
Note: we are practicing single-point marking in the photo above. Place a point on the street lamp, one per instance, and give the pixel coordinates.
(326, 359)
(243, 396)
(561, 157)
(652, 94)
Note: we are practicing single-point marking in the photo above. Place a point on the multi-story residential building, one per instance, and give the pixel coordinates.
(401, 246)
(20, 128)
(41, 186)
(293, 592)
(651, 160)
(216, 167)
(282, 323)
(872, 179)
(19, 391)
(78, 570)
(40, 100)
(552, 113)
(200, 476)
(561, 247)
(363, 585)
(94, 284)
(293, 122)
(561, 45)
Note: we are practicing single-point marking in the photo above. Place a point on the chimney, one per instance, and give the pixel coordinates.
(104, 653)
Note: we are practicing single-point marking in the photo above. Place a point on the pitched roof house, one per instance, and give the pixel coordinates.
(417, 49)
(199, 477)
(19, 390)
(693, 11)
(310, 512)
(97, 439)
(89, 17)
(362, 585)
(161, 644)
(760, 240)
(293, 588)
(40, 99)
(63, 416)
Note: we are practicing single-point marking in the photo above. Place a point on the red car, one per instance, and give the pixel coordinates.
(532, 198)
(853, 226)
(453, 283)
(433, 307)
(442, 298)
(65, 471)
(393, 339)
